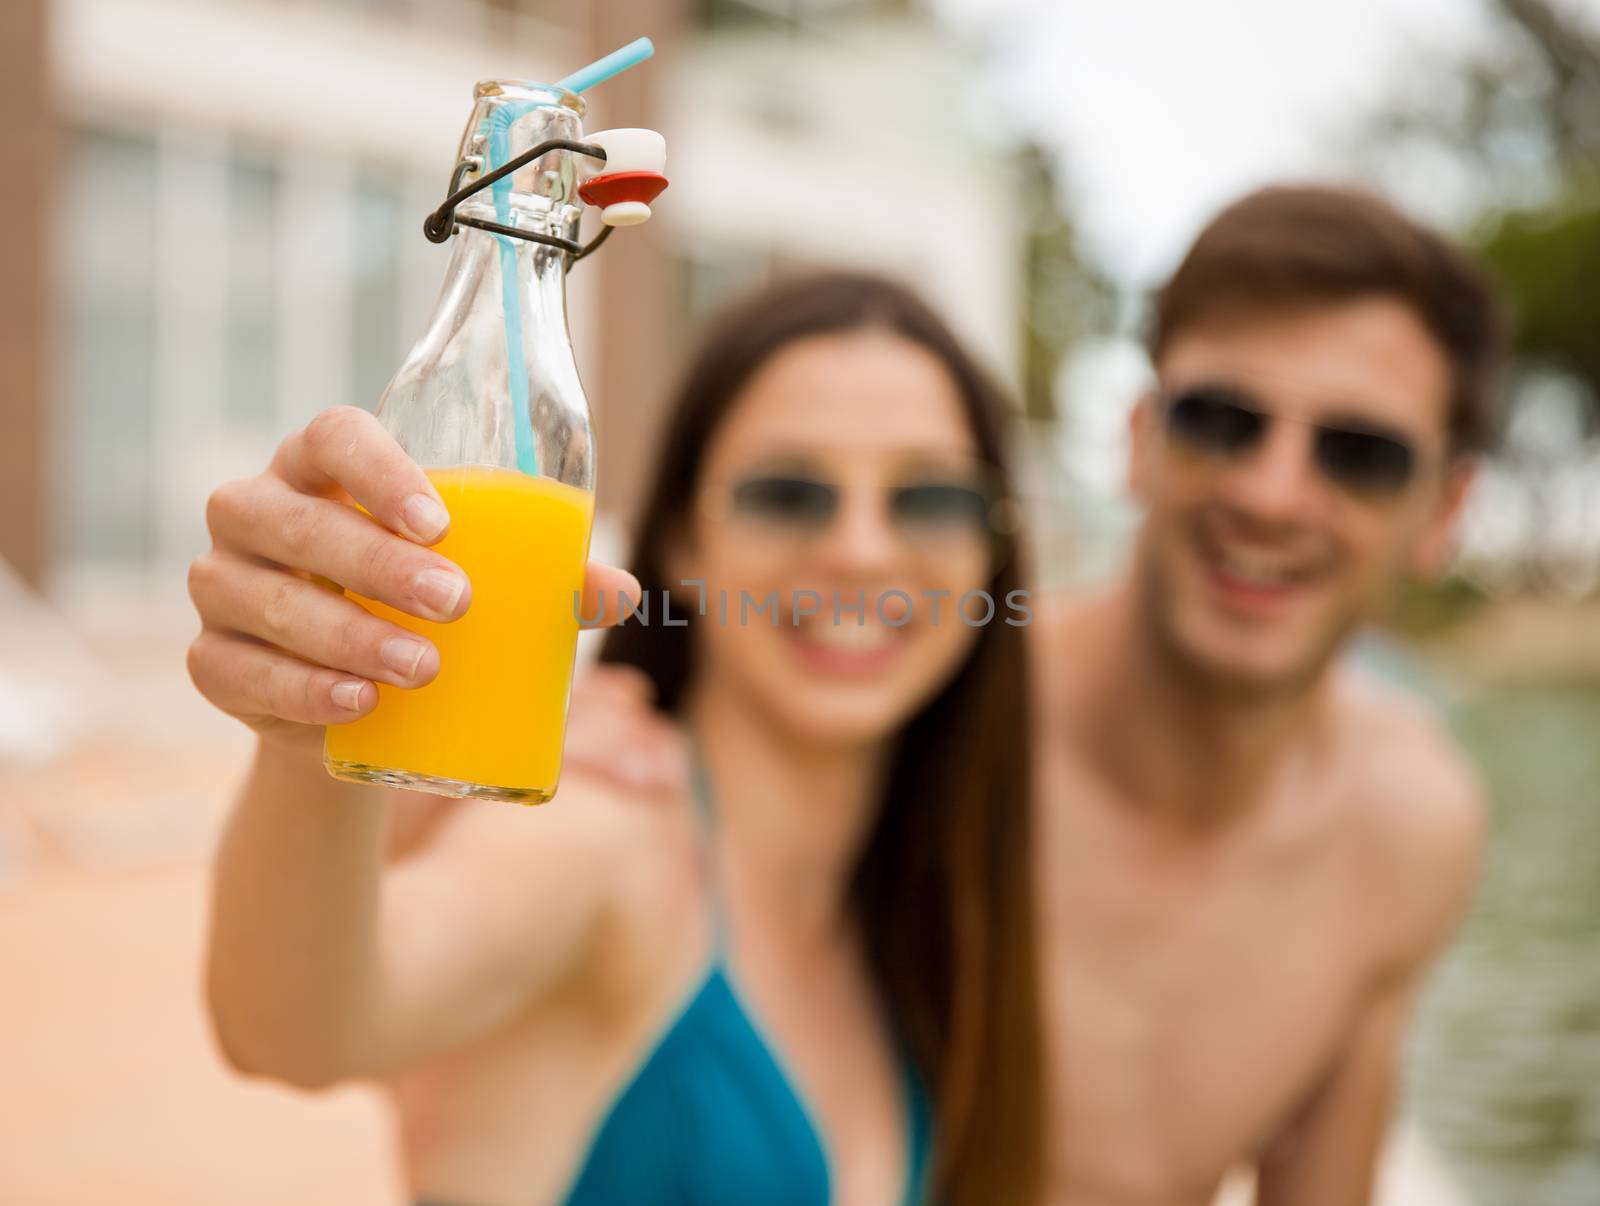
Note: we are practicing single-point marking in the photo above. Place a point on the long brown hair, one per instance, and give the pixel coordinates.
(943, 890)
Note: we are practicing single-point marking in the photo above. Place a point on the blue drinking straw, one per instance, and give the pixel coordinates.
(511, 292)
(635, 52)
(618, 61)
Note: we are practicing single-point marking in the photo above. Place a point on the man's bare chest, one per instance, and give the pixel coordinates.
(1189, 1009)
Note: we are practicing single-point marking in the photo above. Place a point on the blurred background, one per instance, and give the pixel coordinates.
(214, 208)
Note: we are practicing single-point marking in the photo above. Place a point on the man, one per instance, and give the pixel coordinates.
(1248, 855)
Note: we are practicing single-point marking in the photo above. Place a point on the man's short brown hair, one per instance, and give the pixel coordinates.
(1310, 244)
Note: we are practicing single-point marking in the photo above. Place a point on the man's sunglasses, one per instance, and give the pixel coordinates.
(932, 509)
(1227, 422)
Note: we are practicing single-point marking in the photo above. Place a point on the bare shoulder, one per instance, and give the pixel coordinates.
(1418, 810)
(631, 836)
(1418, 781)
(591, 842)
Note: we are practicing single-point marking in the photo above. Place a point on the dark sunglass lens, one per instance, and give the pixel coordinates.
(1365, 461)
(794, 501)
(1213, 421)
(940, 505)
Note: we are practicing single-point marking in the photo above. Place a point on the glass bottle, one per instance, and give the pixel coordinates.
(490, 404)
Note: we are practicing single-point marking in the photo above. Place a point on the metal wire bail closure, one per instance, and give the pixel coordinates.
(442, 222)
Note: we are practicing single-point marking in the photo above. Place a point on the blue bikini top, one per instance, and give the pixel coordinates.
(711, 1118)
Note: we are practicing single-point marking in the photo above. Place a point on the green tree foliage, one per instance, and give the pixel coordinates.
(1549, 261)
(1508, 138)
(1064, 299)
(1517, 126)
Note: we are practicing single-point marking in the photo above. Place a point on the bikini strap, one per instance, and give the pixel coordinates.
(705, 811)
(919, 1130)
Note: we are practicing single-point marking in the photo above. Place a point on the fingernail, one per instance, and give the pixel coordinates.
(349, 694)
(425, 516)
(441, 590)
(402, 655)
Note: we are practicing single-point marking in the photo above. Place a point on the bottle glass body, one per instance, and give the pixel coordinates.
(490, 404)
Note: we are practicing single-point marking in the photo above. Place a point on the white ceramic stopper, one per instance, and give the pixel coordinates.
(625, 213)
(631, 150)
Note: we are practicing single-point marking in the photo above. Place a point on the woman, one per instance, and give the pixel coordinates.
(769, 992)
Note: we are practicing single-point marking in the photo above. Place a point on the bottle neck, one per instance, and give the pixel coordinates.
(492, 381)
(519, 289)
(527, 279)
(523, 211)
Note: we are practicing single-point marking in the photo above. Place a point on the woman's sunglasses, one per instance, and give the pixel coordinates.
(1224, 421)
(925, 511)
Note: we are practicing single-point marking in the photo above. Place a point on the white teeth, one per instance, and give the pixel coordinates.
(861, 638)
(1255, 568)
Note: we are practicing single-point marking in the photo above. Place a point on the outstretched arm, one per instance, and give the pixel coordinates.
(324, 962)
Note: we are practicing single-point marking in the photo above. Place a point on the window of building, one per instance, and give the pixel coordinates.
(252, 286)
(376, 282)
(791, 15)
(187, 269)
(104, 428)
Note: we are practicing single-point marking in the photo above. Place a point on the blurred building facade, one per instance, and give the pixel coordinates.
(232, 192)
(234, 239)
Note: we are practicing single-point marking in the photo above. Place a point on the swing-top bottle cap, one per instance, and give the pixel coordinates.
(630, 149)
(636, 160)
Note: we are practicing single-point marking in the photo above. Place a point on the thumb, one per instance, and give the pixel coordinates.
(607, 593)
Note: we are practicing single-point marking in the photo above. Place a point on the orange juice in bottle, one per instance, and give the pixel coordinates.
(494, 716)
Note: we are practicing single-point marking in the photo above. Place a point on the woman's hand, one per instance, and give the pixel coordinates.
(615, 733)
(279, 646)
